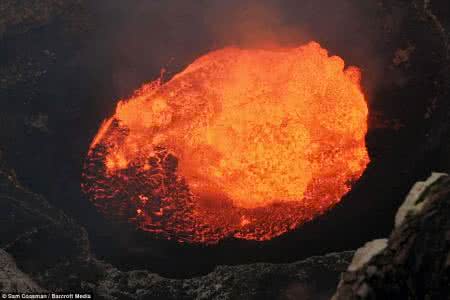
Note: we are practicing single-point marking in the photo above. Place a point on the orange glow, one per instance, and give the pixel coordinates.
(243, 143)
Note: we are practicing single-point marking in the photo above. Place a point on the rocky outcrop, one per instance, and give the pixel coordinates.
(47, 245)
(415, 261)
(307, 279)
(14, 280)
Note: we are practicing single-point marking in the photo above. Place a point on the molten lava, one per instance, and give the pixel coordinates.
(242, 143)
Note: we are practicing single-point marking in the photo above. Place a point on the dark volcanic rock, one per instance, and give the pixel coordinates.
(34, 34)
(415, 261)
(54, 251)
(307, 279)
(20, 16)
(45, 242)
(14, 280)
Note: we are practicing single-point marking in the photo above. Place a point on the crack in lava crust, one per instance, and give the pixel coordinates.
(242, 143)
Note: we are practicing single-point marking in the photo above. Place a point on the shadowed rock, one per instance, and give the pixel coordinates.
(14, 280)
(414, 263)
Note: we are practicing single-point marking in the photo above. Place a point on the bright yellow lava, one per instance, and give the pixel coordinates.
(248, 129)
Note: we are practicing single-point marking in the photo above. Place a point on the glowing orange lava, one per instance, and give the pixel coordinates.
(242, 143)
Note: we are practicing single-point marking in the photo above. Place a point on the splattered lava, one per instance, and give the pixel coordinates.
(243, 143)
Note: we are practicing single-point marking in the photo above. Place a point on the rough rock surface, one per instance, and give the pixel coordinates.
(20, 16)
(14, 280)
(413, 203)
(415, 263)
(54, 251)
(307, 279)
(365, 253)
(43, 240)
